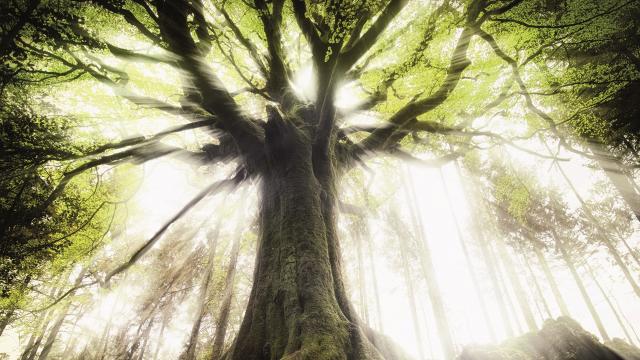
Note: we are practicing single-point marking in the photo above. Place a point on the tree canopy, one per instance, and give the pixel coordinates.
(296, 105)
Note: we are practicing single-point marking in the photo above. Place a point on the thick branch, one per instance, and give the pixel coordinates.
(459, 62)
(211, 189)
(215, 98)
(351, 55)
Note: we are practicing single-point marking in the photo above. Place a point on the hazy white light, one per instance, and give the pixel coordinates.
(304, 82)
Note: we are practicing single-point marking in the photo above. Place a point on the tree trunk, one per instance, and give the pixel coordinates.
(362, 285)
(604, 238)
(521, 296)
(60, 320)
(583, 291)
(429, 272)
(408, 279)
(467, 256)
(564, 310)
(489, 262)
(6, 319)
(537, 287)
(156, 352)
(606, 298)
(145, 340)
(506, 290)
(298, 307)
(225, 308)
(374, 278)
(189, 353)
(626, 320)
(618, 176)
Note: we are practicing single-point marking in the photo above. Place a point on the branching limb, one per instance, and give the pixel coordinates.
(245, 42)
(137, 155)
(379, 138)
(353, 53)
(211, 189)
(215, 98)
(279, 73)
(567, 25)
(308, 29)
(489, 39)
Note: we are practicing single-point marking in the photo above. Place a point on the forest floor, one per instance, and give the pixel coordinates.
(560, 339)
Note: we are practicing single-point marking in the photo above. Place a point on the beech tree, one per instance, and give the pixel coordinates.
(432, 74)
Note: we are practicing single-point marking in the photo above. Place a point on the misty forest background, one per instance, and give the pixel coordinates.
(308, 179)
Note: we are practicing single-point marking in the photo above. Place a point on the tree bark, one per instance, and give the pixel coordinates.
(298, 307)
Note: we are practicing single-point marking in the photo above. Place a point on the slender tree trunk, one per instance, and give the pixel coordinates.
(536, 284)
(604, 239)
(505, 281)
(372, 265)
(222, 320)
(6, 319)
(551, 280)
(35, 339)
(583, 290)
(68, 349)
(411, 295)
(618, 176)
(608, 300)
(429, 272)
(626, 320)
(46, 349)
(520, 294)
(145, 340)
(165, 318)
(103, 343)
(361, 277)
(189, 353)
(490, 264)
(497, 289)
(467, 256)
(374, 278)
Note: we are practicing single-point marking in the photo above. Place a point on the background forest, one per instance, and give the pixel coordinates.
(319, 179)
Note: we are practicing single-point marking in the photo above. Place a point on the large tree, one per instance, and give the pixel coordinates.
(426, 69)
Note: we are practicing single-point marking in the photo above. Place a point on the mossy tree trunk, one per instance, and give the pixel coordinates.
(298, 307)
